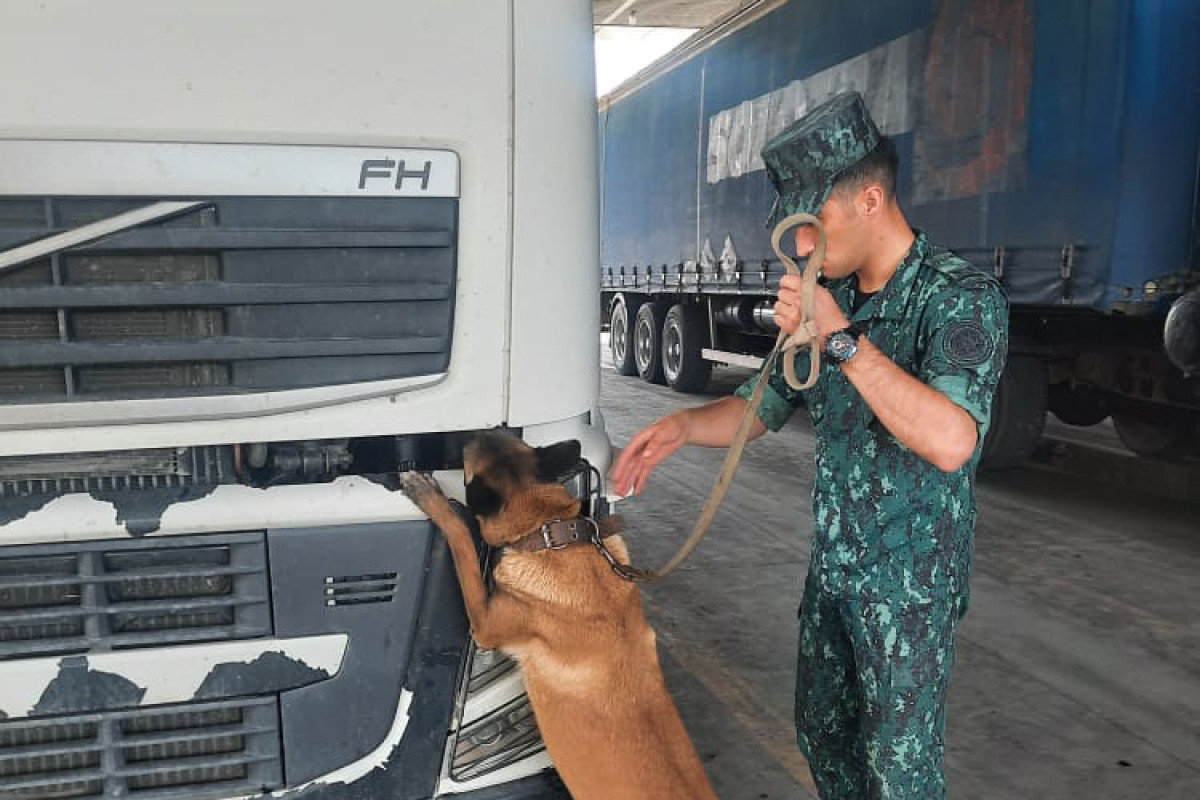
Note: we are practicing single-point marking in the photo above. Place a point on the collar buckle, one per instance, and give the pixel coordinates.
(548, 540)
(560, 533)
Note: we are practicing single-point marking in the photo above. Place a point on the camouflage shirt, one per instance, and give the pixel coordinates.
(884, 514)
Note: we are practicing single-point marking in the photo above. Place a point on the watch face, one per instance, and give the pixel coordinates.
(841, 346)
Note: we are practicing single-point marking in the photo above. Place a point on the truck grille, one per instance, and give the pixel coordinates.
(236, 295)
(198, 750)
(97, 596)
(116, 470)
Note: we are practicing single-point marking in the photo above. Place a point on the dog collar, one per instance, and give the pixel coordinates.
(557, 534)
(560, 533)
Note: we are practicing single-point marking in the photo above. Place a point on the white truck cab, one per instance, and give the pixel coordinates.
(255, 259)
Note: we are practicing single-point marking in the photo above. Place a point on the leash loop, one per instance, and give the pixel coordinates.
(805, 335)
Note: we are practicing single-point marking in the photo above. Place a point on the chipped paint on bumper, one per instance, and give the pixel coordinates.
(347, 500)
(101, 681)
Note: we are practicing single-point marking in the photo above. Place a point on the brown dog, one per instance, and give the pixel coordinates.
(586, 653)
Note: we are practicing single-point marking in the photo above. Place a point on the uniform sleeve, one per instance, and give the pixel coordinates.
(779, 399)
(965, 343)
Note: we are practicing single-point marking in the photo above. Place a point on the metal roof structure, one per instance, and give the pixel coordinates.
(663, 13)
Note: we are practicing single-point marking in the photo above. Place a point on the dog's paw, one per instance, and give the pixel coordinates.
(422, 489)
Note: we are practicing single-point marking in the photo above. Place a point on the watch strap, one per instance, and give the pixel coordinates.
(855, 329)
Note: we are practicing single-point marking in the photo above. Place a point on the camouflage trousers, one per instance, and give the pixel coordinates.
(871, 681)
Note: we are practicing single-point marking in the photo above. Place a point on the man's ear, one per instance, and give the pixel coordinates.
(555, 460)
(870, 200)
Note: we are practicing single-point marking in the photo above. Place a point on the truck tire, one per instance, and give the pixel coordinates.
(622, 318)
(1156, 433)
(647, 342)
(684, 336)
(1018, 413)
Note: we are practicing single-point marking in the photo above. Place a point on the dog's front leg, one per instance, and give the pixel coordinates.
(496, 621)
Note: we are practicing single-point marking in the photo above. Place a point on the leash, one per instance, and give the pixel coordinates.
(805, 335)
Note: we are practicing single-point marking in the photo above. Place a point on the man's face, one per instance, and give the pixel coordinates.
(845, 237)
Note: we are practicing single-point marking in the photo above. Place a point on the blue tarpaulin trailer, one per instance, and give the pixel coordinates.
(1055, 143)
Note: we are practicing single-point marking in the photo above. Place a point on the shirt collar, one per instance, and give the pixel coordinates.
(891, 302)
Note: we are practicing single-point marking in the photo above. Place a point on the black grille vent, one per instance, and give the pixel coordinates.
(123, 470)
(349, 590)
(99, 596)
(199, 750)
(239, 295)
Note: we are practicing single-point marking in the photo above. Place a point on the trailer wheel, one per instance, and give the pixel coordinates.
(1018, 413)
(1156, 433)
(683, 339)
(621, 322)
(647, 342)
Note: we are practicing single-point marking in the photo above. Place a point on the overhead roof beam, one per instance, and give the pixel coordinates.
(621, 9)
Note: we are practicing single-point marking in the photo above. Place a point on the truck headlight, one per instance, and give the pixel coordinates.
(495, 726)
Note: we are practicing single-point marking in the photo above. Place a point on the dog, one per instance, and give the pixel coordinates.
(577, 630)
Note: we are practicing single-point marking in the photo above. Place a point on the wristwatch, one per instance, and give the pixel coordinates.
(841, 345)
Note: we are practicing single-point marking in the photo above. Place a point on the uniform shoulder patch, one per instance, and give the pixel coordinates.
(966, 343)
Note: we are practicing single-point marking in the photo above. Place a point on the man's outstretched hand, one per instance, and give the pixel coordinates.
(646, 450)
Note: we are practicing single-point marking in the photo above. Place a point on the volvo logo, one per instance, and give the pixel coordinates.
(391, 170)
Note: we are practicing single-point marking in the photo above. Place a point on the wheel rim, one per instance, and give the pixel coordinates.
(643, 343)
(618, 330)
(672, 352)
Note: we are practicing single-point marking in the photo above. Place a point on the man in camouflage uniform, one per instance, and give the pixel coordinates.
(915, 340)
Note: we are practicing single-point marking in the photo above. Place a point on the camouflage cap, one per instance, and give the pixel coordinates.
(805, 159)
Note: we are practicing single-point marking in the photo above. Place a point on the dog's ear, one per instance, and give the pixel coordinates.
(483, 500)
(555, 460)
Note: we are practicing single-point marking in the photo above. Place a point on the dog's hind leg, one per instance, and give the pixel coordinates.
(498, 620)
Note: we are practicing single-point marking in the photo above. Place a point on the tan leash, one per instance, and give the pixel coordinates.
(805, 335)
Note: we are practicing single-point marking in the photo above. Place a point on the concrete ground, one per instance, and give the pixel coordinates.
(1078, 664)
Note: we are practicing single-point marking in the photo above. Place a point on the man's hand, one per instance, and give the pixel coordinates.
(646, 450)
(827, 314)
(787, 306)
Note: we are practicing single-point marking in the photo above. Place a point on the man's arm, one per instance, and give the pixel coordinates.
(922, 418)
(711, 425)
(715, 424)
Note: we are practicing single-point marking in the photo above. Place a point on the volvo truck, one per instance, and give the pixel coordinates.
(255, 260)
